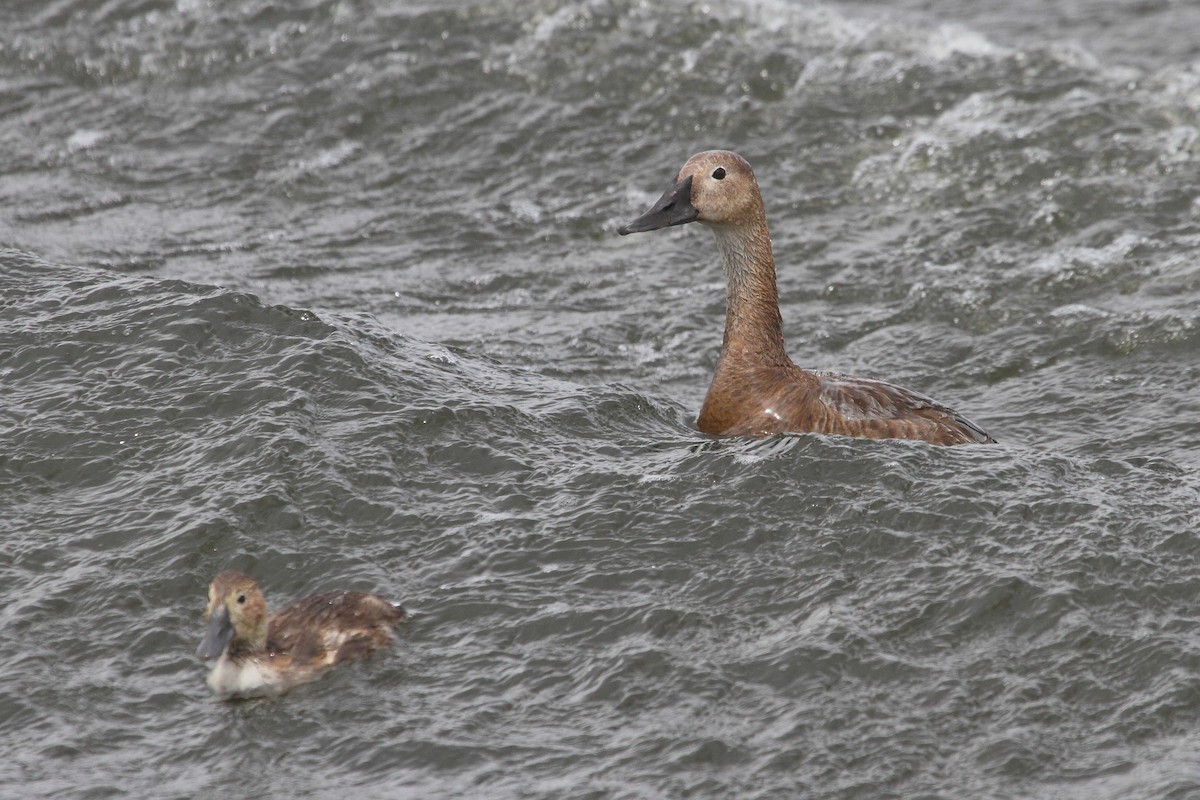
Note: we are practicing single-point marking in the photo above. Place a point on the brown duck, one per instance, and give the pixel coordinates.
(257, 656)
(757, 390)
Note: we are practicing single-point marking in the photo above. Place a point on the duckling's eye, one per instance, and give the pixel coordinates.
(719, 173)
(241, 599)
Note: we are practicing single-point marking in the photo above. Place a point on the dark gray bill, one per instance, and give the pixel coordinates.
(673, 208)
(216, 638)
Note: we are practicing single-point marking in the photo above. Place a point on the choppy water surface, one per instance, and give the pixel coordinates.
(331, 292)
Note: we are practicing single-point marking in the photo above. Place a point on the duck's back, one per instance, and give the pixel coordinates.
(900, 413)
(787, 399)
(330, 628)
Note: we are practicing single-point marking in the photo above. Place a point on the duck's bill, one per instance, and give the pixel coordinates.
(218, 635)
(673, 208)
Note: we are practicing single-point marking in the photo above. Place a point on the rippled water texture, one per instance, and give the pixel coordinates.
(331, 292)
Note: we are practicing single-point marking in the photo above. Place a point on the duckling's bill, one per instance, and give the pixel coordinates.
(217, 636)
(673, 208)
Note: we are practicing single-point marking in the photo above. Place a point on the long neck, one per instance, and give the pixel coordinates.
(753, 326)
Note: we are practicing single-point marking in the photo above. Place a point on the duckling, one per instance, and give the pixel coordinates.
(258, 657)
(757, 390)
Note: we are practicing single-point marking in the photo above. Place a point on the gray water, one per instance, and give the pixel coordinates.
(331, 292)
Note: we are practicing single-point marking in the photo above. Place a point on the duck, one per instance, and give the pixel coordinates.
(257, 656)
(756, 389)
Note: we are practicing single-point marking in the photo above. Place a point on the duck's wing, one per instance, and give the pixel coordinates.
(332, 627)
(884, 409)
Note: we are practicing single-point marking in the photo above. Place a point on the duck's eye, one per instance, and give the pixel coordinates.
(241, 599)
(719, 173)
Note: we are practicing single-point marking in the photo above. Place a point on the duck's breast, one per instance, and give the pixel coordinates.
(248, 678)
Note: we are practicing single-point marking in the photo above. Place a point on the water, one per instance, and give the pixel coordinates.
(330, 292)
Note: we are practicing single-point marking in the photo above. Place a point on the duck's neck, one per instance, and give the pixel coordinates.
(243, 647)
(753, 326)
(240, 651)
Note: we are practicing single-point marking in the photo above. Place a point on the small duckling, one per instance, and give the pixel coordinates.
(257, 657)
(757, 390)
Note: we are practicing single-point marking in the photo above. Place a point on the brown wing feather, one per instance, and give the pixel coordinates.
(332, 627)
(861, 400)
(786, 399)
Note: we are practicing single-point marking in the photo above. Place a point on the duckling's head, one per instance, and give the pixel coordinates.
(715, 187)
(236, 615)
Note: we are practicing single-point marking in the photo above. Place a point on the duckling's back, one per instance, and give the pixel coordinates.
(333, 627)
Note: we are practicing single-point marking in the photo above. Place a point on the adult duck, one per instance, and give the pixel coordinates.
(757, 390)
(256, 655)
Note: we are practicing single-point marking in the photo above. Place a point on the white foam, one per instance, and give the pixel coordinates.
(949, 40)
(85, 139)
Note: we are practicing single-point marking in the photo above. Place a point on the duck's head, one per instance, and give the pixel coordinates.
(236, 613)
(716, 187)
